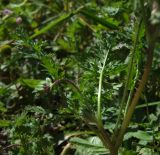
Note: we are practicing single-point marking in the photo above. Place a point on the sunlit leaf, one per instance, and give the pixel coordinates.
(32, 83)
(141, 135)
(4, 123)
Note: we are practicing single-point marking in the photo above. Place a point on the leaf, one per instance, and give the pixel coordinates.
(65, 45)
(56, 22)
(3, 89)
(50, 66)
(109, 22)
(141, 135)
(73, 29)
(80, 141)
(90, 146)
(52, 24)
(32, 83)
(147, 151)
(4, 123)
(18, 5)
(36, 109)
(115, 67)
(128, 152)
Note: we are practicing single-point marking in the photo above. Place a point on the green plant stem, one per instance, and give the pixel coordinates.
(151, 36)
(63, 17)
(131, 93)
(128, 76)
(103, 135)
(66, 81)
(137, 95)
(99, 115)
(148, 105)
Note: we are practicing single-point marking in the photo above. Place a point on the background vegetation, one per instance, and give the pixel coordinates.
(57, 58)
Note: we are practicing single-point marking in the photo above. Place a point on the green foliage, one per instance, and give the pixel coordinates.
(91, 146)
(27, 132)
(64, 68)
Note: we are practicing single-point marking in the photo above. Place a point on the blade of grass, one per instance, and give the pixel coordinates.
(52, 24)
(149, 104)
(87, 24)
(63, 17)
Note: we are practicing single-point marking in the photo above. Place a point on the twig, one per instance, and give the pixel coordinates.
(65, 149)
(66, 81)
(12, 145)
